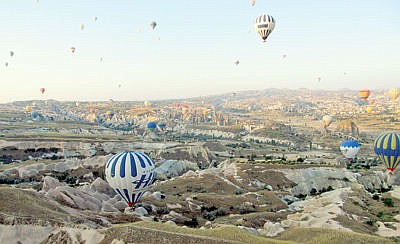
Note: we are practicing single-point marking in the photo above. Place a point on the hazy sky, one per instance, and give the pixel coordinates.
(192, 50)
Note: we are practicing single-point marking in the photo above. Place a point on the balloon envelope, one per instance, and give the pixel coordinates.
(42, 90)
(264, 25)
(387, 147)
(394, 93)
(151, 125)
(364, 94)
(350, 148)
(153, 24)
(130, 173)
(327, 119)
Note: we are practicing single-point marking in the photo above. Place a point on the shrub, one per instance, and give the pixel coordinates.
(210, 215)
(313, 192)
(238, 191)
(222, 211)
(375, 197)
(388, 202)
(192, 223)
(371, 221)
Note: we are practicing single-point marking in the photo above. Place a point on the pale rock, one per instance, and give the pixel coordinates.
(172, 168)
(107, 207)
(271, 229)
(170, 222)
(120, 205)
(157, 195)
(140, 211)
(50, 183)
(116, 241)
(30, 170)
(74, 198)
(148, 219)
(99, 185)
(176, 217)
(173, 206)
(249, 229)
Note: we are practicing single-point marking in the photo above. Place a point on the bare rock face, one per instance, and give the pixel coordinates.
(374, 181)
(175, 217)
(317, 180)
(24, 233)
(141, 211)
(50, 183)
(107, 207)
(348, 127)
(271, 229)
(30, 170)
(75, 198)
(172, 168)
(99, 185)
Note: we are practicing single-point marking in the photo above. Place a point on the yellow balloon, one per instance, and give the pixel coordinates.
(394, 93)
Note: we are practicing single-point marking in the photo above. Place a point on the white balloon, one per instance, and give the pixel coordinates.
(130, 173)
(264, 25)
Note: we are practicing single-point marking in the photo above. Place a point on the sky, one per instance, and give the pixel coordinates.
(192, 50)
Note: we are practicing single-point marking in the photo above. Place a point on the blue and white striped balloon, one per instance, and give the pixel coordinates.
(350, 148)
(130, 173)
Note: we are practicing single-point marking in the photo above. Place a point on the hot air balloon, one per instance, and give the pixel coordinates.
(387, 147)
(153, 24)
(147, 103)
(28, 108)
(364, 94)
(368, 109)
(109, 114)
(130, 173)
(284, 56)
(6, 64)
(162, 125)
(35, 115)
(236, 62)
(92, 110)
(394, 93)
(350, 148)
(42, 90)
(72, 49)
(101, 59)
(185, 109)
(264, 25)
(151, 125)
(177, 105)
(95, 18)
(327, 119)
(252, 2)
(319, 79)
(372, 101)
(82, 26)
(11, 53)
